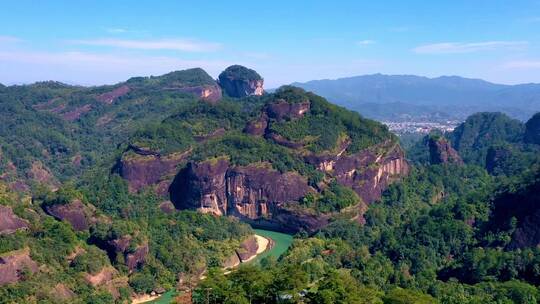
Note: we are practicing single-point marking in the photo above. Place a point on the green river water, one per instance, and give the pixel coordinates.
(282, 242)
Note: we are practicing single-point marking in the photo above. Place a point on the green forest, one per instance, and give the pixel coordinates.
(88, 213)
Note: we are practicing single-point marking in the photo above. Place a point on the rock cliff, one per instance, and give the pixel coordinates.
(441, 152)
(75, 213)
(251, 192)
(132, 255)
(368, 172)
(238, 81)
(142, 168)
(263, 196)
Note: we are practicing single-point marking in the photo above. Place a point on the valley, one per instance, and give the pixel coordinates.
(152, 186)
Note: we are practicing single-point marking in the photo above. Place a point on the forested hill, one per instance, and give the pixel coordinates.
(414, 96)
(151, 185)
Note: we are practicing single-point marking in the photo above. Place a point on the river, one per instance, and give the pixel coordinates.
(282, 242)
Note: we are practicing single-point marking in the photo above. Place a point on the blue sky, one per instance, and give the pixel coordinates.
(109, 41)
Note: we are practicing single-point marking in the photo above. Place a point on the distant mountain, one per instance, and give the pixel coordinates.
(446, 96)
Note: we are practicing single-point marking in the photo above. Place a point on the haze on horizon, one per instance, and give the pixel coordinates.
(103, 43)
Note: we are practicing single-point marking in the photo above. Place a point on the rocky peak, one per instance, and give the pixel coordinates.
(239, 81)
(441, 152)
(532, 130)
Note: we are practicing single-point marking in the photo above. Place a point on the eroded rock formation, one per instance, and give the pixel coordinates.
(238, 81)
(75, 213)
(441, 152)
(210, 93)
(248, 248)
(258, 126)
(110, 97)
(42, 175)
(251, 192)
(263, 196)
(9, 222)
(138, 257)
(282, 109)
(368, 172)
(143, 167)
(14, 264)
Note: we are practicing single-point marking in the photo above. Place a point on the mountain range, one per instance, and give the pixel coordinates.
(405, 97)
(152, 186)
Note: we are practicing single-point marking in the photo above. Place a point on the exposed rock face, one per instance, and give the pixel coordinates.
(255, 191)
(9, 222)
(280, 110)
(265, 197)
(239, 81)
(201, 186)
(62, 292)
(532, 130)
(368, 172)
(111, 96)
(252, 192)
(146, 168)
(13, 264)
(76, 213)
(258, 126)
(137, 258)
(441, 152)
(102, 277)
(122, 246)
(210, 93)
(77, 112)
(248, 248)
(41, 174)
(232, 261)
(290, 220)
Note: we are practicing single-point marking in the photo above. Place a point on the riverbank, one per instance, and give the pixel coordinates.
(265, 244)
(280, 242)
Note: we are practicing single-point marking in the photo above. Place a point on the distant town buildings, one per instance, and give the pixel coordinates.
(422, 127)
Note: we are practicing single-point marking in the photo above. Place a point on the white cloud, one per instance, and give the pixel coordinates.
(462, 47)
(522, 64)
(365, 42)
(162, 44)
